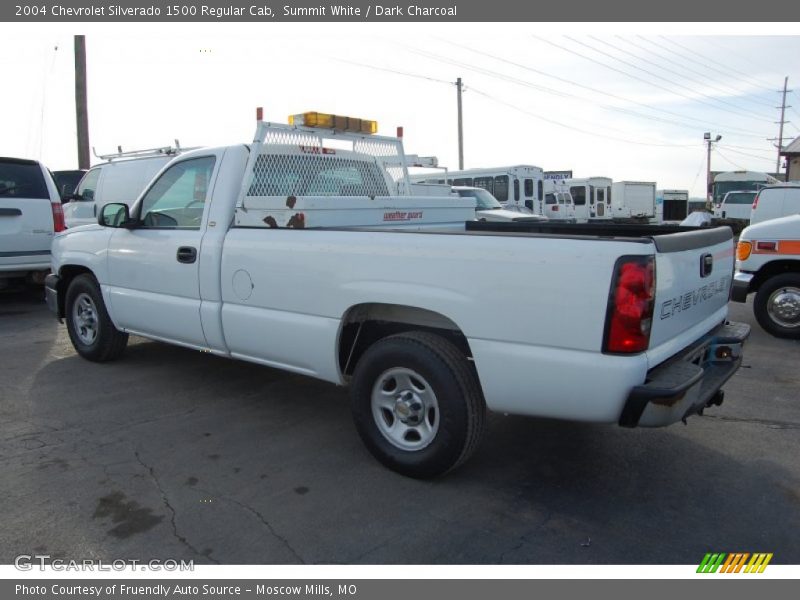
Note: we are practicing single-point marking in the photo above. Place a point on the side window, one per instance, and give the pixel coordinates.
(608, 195)
(485, 183)
(516, 189)
(178, 197)
(578, 195)
(501, 188)
(540, 189)
(549, 198)
(88, 185)
(528, 188)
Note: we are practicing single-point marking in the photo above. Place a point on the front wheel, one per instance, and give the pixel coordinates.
(90, 329)
(777, 306)
(417, 404)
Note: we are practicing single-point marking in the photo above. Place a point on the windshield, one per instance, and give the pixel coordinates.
(723, 187)
(740, 198)
(483, 199)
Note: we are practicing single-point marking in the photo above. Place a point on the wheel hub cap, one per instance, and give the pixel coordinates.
(84, 318)
(409, 408)
(784, 306)
(405, 409)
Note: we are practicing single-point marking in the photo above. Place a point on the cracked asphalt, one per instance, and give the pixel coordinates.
(170, 453)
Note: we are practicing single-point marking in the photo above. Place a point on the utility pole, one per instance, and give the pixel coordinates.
(459, 85)
(782, 121)
(709, 187)
(81, 108)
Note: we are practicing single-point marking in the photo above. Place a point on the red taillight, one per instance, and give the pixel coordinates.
(755, 200)
(630, 308)
(555, 209)
(58, 217)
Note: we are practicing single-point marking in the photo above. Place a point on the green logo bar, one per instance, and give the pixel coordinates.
(711, 563)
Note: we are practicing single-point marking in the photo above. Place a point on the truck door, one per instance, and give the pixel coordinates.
(153, 267)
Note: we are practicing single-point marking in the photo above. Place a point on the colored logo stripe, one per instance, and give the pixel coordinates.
(734, 562)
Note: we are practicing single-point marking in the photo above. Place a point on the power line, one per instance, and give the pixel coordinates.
(734, 130)
(736, 92)
(708, 40)
(761, 157)
(525, 83)
(573, 128)
(670, 81)
(750, 132)
(396, 72)
(697, 54)
(738, 166)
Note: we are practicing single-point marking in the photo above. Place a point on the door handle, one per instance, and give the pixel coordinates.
(187, 254)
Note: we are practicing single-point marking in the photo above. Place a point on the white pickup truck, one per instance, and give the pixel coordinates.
(294, 253)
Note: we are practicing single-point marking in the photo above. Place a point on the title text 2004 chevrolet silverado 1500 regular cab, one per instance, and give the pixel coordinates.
(298, 254)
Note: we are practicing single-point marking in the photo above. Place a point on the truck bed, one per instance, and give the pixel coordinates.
(662, 235)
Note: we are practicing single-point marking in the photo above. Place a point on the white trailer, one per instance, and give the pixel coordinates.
(672, 205)
(633, 200)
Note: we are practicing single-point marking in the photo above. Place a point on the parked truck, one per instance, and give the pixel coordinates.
(294, 253)
(633, 200)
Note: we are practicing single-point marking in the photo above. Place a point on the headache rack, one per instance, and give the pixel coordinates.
(300, 177)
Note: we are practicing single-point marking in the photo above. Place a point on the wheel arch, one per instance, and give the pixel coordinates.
(773, 268)
(364, 324)
(66, 274)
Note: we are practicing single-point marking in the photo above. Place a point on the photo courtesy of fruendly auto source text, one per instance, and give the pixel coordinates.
(376, 301)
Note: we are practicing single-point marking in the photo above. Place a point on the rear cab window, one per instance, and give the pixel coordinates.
(21, 178)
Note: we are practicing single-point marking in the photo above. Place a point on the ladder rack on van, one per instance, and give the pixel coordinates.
(163, 151)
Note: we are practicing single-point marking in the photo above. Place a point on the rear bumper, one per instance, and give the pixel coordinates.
(51, 293)
(689, 382)
(741, 286)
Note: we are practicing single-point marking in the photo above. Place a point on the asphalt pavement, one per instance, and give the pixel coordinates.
(173, 454)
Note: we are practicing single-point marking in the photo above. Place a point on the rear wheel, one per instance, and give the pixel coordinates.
(417, 404)
(90, 329)
(777, 305)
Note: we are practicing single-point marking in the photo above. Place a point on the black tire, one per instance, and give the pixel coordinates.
(445, 380)
(787, 288)
(108, 342)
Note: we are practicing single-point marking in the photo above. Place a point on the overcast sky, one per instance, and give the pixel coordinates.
(625, 101)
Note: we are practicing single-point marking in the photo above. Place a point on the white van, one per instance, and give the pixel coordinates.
(735, 205)
(775, 201)
(120, 179)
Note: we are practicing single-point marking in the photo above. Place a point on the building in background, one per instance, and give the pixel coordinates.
(792, 155)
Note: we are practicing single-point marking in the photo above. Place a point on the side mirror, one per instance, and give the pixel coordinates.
(115, 215)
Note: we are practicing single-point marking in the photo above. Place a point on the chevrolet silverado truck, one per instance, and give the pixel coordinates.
(306, 251)
(768, 264)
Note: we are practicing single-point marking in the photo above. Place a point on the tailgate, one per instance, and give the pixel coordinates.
(693, 279)
(26, 225)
